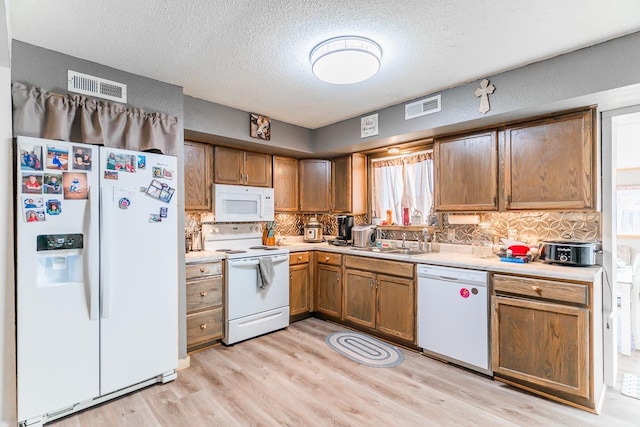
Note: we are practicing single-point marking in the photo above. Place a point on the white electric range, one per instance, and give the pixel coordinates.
(251, 309)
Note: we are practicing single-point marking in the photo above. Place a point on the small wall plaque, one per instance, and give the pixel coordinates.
(369, 125)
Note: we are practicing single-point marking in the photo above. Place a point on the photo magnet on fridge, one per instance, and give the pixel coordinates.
(31, 183)
(163, 212)
(54, 207)
(74, 185)
(30, 157)
(157, 172)
(81, 158)
(142, 161)
(121, 162)
(154, 218)
(52, 183)
(34, 215)
(110, 175)
(57, 158)
(33, 202)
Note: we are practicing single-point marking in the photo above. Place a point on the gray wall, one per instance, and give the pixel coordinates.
(47, 69)
(210, 122)
(607, 74)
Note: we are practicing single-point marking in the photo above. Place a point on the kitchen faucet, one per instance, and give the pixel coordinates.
(425, 240)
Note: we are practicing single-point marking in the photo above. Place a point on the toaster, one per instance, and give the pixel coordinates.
(363, 236)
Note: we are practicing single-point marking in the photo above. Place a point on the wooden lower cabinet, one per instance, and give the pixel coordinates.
(360, 297)
(380, 301)
(205, 284)
(328, 293)
(299, 284)
(547, 345)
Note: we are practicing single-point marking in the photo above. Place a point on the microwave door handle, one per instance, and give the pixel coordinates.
(261, 206)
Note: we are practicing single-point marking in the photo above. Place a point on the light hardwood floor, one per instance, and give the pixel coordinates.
(292, 378)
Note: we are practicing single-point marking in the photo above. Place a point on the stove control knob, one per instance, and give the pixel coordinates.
(564, 258)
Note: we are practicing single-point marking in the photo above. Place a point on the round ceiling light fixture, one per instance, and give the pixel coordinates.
(345, 60)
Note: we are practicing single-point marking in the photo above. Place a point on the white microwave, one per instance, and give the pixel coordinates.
(238, 203)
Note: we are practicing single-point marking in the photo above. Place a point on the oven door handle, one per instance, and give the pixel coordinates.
(243, 263)
(279, 258)
(254, 261)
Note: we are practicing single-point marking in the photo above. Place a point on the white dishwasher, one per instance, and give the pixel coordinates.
(453, 315)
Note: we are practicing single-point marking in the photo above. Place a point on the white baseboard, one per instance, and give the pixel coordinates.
(184, 363)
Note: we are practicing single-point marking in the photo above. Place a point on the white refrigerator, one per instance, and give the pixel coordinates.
(96, 274)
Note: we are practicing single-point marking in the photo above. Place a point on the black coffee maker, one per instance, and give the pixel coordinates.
(345, 224)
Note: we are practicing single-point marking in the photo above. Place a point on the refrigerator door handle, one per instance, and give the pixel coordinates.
(105, 270)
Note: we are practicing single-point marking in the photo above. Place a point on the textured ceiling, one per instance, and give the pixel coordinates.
(254, 55)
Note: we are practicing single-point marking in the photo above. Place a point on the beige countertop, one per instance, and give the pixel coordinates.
(464, 260)
(450, 256)
(203, 256)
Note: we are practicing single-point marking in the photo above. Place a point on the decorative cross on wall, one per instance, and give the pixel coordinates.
(483, 92)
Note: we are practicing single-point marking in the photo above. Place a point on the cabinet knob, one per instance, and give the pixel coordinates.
(203, 293)
(536, 288)
(203, 326)
(300, 257)
(202, 269)
(326, 258)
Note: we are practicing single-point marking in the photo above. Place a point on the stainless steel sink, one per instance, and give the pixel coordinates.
(374, 249)
(405, 252)
(398, 251)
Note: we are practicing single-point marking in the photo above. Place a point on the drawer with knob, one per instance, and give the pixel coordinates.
(194, 271)
(329, 258)
(204, 293)
(298, 258)
(204, 327)
(540, 288)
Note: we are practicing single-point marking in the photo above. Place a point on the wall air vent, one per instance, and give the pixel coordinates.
(422, 108)
(97, 87)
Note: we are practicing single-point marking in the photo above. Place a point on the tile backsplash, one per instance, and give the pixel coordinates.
(530, 227)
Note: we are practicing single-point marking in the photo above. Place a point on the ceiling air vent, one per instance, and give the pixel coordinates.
(422, 108)
(95, 86)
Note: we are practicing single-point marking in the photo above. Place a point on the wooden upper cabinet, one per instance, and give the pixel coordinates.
(197, 176)
(238, 167)
(349, 184)
(466, 172)
(550, 164)
(315, 178)
(257, 169)
(285, 184)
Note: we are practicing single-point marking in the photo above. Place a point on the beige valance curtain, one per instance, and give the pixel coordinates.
(79, 118)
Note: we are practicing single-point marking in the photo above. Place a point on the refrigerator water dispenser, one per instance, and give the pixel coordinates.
(60, 259)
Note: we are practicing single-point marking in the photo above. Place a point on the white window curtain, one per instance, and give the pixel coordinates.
(403, 182)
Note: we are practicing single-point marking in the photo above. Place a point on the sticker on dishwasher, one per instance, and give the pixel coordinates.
(464, 293)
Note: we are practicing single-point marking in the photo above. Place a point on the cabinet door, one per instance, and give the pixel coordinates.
(341, 189)
(315, 178)
(349, 184)
(285, 184)
(396, 307)
(549, 164)
(197, 176)
(299, 287)
(228, 166)
(257, 169)
(542, 344)
(329, 290)
(359, 297)
(466, 173)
